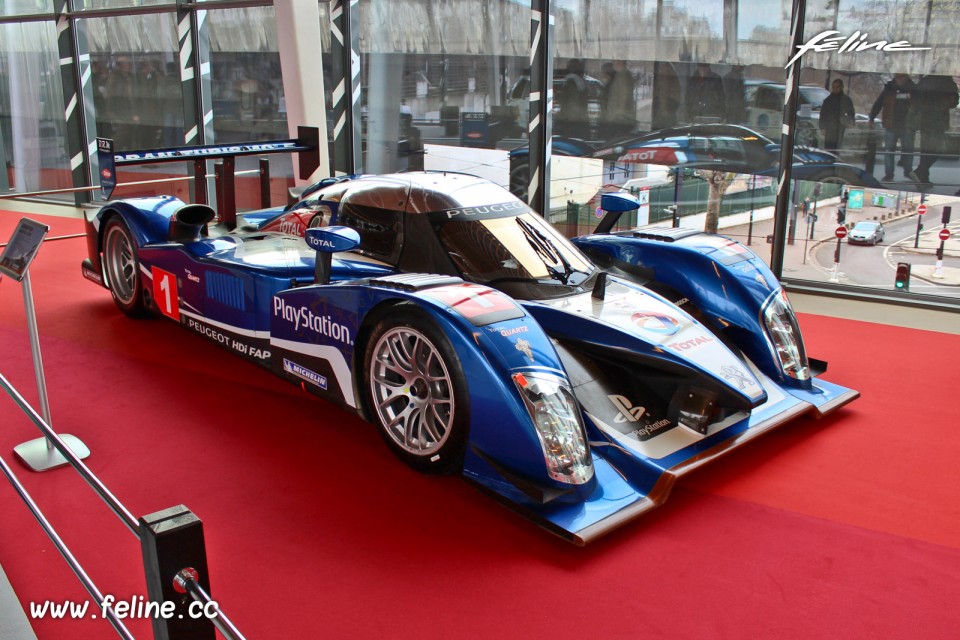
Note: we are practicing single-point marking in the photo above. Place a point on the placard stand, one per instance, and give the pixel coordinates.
(38, 454)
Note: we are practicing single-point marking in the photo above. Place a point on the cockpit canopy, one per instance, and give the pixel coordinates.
(456, 224)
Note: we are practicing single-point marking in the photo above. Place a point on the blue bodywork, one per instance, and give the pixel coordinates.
(670, 319)
(721, 147)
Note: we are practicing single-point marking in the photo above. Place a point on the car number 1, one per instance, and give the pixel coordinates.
(165, 293)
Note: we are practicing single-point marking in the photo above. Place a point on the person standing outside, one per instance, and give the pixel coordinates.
(572, 120)
(705, 99)
(893, 105)
(934, 98)
(836, 114)
(620, 105)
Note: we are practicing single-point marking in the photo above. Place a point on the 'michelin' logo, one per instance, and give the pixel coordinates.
(830, 41)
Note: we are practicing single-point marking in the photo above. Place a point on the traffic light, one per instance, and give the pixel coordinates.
(945, 216)
(841, 214)
(902, 282)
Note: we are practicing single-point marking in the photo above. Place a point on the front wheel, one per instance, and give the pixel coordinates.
(417, 393)
(122, 268)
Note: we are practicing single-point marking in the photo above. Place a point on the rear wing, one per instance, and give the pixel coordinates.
(307, 145)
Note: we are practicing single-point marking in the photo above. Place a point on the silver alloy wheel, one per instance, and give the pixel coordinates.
(412, 391)
(120, 264)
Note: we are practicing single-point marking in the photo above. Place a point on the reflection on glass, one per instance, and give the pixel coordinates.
(25, 7)
(444, 85)
(33, 145)
(81, 5)
(245, 75)
(136, 80)
(759, 21)
(135, 84)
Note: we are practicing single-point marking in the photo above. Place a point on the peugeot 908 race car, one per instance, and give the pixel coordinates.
(573, 380)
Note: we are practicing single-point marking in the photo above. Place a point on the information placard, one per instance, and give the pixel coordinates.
(23, 246)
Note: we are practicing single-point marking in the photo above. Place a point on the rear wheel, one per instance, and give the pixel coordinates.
(122, 268)
(416, 392)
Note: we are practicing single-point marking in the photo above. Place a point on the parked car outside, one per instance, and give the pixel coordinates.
(764, 101)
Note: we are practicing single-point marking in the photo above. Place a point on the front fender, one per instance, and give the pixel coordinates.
(504, 452)
(724, 279)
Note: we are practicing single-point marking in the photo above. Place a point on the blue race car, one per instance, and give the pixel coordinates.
(573, 380)
(721, 147)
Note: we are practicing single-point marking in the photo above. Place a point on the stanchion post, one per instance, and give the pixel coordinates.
(200, 181)
(171, 540)
(264, 183)
(15, 260)
(226, 194)
(218, 187)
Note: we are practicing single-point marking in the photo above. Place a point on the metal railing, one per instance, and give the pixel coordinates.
(139, 528)
(60, 545)
(37, 194)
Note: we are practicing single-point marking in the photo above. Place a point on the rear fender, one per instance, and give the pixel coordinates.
(147, 218)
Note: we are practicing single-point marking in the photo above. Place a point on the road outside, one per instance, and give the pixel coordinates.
(811, 254)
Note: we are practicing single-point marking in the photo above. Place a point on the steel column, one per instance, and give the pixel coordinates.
(790, 99)
(74, 82)
(540, 129)
(345, 82)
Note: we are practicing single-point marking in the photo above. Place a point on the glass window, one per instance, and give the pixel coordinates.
(890, 120)
(25, 7)
(33, 146)
(444, 85)
(81, 5)
(246, 91)
(245, 78)
(136, 93)
(659, 113)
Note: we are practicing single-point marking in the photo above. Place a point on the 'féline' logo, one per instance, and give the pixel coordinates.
(830, 41)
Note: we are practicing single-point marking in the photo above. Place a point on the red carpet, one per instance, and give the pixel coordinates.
(848, 527)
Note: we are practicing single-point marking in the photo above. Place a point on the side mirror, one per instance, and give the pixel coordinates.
(327, 241)
(614, 204)
(332, 239)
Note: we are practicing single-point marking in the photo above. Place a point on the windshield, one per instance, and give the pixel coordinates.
(865, 226)
(513, 248)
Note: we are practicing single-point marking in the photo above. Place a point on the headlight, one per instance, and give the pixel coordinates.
(783, 333)
(556, 419)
